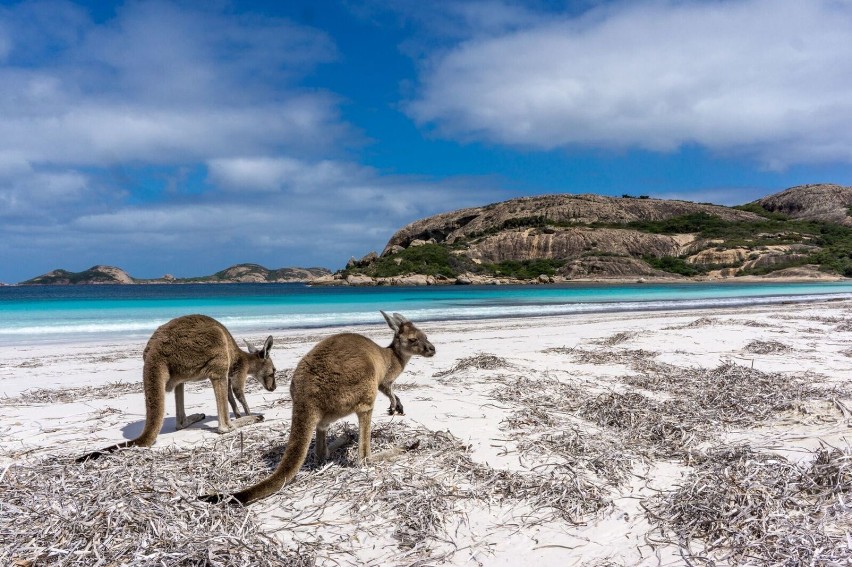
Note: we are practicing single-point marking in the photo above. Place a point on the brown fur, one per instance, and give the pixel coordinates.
(341, 375)
(189, 349)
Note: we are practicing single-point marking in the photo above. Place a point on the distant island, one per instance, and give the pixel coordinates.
(802, 233)
(241, 273)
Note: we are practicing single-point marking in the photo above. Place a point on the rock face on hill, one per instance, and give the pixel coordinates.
(828, 203)
(241, 273)
(588, 232)
(551, 210)
(597, 237)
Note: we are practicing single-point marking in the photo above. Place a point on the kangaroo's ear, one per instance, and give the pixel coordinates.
(392, 322)
(400, 319)
(267, 346)
(250, 346)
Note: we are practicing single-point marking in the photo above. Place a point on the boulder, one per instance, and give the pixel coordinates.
(360, 280)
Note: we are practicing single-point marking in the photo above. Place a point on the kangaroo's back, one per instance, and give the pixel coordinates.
(339, 373)
(193, 345)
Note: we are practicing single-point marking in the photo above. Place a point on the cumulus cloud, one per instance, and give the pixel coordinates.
(765, 79)
(280, 173)
(160, 82)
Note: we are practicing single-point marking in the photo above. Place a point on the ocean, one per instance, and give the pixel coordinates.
(101, 312)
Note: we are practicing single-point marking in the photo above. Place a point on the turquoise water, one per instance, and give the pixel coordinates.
(73, 313)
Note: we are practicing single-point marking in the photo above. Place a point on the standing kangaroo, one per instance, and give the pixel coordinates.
(188, 349)
(341, 375)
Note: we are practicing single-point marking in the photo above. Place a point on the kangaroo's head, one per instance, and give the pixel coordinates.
(408, 339)
(261, 366)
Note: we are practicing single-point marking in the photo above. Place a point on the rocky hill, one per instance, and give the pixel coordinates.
(241, 273)
(804, 230)
(559, 211)
(94, 275)
(255, 273)
(827, 203)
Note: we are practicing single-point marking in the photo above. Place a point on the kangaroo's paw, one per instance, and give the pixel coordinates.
(190, 419)
(247, 420)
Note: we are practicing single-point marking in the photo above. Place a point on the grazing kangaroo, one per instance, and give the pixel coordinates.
(341, 375)
(193, 348)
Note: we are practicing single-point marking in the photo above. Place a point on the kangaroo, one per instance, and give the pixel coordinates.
(341, 375)
(188, 349)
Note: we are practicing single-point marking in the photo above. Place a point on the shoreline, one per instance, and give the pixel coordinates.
(509, 307)
(420, 280)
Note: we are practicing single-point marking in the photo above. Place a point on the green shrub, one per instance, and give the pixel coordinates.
(429, 259)
(674, 265)
(524, 269)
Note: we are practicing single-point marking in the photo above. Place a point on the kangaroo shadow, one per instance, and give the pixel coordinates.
(134, 429)
(339, 456)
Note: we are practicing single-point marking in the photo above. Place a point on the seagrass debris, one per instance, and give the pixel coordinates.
(616, 339)
(139, 506)
(695, 407)
(698, 323)
(767, 347)
(740, 506)
(480, 361)
(67, 395)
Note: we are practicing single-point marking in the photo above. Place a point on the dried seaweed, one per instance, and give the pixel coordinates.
(542, 424)
(137, 508)
(741, 506)
(616, 339)
(67, 395)
(646, 427)
(767, 347)
(480, 361)
(698, 323)
(729, 394)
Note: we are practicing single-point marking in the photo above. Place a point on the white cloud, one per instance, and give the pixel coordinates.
(160, 83)
(768, 79)
(280, 173)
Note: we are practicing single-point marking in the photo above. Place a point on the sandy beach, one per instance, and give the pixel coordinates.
(652, 438)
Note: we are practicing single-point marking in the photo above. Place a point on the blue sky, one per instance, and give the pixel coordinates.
(185, 137)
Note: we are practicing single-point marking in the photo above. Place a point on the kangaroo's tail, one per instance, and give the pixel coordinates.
(154, 379)
(301, 431)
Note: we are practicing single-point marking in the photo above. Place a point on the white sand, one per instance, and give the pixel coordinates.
(462, 403)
